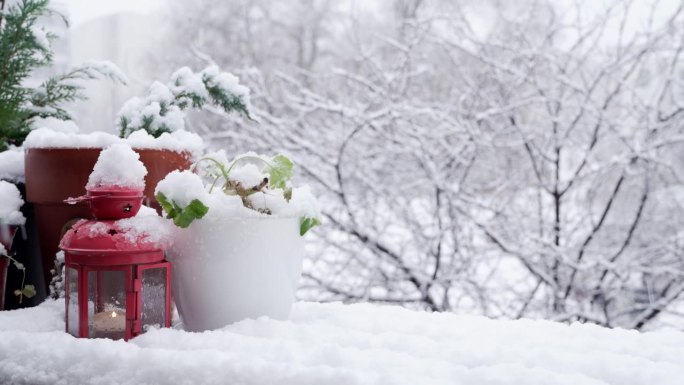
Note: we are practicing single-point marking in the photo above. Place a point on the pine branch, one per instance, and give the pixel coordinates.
(163, 108)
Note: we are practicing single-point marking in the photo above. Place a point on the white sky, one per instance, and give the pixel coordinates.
(83, 10)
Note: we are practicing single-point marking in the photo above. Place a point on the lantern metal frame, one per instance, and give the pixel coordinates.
(86, 261)
(98, 245)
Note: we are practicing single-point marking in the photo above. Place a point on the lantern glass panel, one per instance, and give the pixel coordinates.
(72, 309)
(107, 304)
(153, 297)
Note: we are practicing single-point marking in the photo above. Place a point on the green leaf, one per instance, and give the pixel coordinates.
(29, 291)
(195, 210)
(165, 204)
(280, 171)
(306, 223)
(182, 216)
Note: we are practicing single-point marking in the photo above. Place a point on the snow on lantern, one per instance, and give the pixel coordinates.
(117, 280)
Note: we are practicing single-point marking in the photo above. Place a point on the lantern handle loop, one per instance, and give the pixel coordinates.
(73, 201)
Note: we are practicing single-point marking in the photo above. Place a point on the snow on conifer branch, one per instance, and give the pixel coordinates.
(162, 109)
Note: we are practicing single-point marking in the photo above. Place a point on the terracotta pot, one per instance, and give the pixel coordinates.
(55, 174)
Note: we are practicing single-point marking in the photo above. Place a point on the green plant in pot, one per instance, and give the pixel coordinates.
(241, 228)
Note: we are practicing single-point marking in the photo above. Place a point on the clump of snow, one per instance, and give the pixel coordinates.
(137, 110)
(96, 229)
(248, 175)
(146, 228)
(304, 203)
(226, 81)
(12, 165)
(178, 141)
(223, 206)
(185, 82)
(118, 166)
(338, 344)
(182, 187)
(10, 205)
(146, 211)
(54, 124)
(106, 68)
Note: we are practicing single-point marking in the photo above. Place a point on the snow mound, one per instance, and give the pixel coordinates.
(341, 344)
(12, 165)
(10, 205)
(118, 165)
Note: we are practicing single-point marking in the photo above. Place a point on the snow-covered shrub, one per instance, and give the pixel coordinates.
(10, 204)
(251, 185)
(56, 287)
(163, 108)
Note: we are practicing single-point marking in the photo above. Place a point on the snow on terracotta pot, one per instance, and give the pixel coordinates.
(239, 252)
(11, 219)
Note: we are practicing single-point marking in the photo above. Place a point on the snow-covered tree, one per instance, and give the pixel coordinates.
(511, 159)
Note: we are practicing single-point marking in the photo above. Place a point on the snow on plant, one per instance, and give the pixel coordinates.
(118, 165)
(260, 184)
(10, 204)
(163, 108)
(56, 287)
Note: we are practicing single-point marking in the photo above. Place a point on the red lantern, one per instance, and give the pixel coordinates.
(116, 286)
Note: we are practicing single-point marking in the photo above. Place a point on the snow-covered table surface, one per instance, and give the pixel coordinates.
(341, 344)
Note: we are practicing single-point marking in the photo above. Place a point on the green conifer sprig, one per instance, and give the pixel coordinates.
(24, 48)
(163, 108)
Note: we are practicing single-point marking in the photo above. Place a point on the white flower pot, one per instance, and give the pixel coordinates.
(229, 269)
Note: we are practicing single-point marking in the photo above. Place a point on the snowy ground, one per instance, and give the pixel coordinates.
(341, 344)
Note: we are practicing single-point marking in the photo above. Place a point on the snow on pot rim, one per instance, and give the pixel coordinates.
(177, 141)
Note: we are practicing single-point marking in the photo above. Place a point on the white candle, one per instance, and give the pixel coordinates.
(110, 321)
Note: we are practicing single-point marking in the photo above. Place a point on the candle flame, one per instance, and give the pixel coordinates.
(113, 314)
